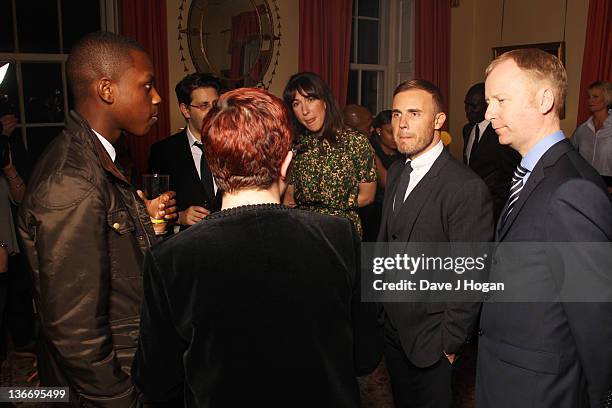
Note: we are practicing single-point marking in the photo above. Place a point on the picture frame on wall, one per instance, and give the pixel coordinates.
(555, 48)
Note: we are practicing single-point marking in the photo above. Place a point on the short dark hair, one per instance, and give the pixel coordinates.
(383, 118)
(423, 85)
(477, 89)
(192, 82)
(98, 54)
(309, 84)
(246, 138)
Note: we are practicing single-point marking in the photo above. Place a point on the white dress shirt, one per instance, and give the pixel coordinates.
(481, 126)
(420, 167)
(110, 149)
(196, 153)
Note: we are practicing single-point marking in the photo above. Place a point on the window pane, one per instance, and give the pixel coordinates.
(78, 18)
(39, 138)
(368, 8)
(7, 42)
(37, 26)
(351, 94)
(370, 81)
(367, 52)
(42, 91)
(9, 98)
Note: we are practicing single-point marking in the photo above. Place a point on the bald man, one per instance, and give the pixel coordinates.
(358, 117)
(85, 230)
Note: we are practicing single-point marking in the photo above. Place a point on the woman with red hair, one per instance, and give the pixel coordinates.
(258, 304)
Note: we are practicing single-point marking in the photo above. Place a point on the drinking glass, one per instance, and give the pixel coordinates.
(154, 185)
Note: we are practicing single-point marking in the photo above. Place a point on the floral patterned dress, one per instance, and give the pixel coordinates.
(326, 177)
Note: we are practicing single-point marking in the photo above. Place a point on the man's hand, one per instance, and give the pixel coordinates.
(162, 206)
(192, 215)
(8, 124)
(450, 357)
(3, 260)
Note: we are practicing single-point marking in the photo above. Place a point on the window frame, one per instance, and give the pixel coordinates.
(382, 67)
(108, 22)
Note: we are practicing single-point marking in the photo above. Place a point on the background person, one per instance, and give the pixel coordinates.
(357, 117)
(181, 155)
(593, 138)
(482, 152)
(333, 171)
(259, 304)
(17, 312)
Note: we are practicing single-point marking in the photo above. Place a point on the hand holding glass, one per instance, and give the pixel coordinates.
(153, 186)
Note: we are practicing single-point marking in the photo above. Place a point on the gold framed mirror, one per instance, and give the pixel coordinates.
(234, 40)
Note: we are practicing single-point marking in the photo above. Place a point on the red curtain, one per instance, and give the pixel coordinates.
(325, 42)
(597, 60)
(245, 28)
(145, 21)
(432, 44)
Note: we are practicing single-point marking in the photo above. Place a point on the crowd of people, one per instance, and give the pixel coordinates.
(253, 296)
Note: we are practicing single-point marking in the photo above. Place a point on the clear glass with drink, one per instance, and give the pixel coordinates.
(154, 185)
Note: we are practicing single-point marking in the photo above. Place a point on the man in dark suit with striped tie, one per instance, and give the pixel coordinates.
(546, 340)
(181, 155)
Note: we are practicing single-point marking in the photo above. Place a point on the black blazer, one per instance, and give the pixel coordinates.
(256, 306)
(555, 353)
(173, 156)
(450, 204)
(494, 163)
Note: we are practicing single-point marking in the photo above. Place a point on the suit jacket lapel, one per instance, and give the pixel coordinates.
(537, 175)
(189, 164)
(392, 180)
(411, 208)
(535, 178)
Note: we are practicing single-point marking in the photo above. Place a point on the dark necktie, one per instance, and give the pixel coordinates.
(400, 193)
(515, 189)
(205, 173)
(475, 142)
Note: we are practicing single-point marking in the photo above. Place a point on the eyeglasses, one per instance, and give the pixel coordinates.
(205, 106)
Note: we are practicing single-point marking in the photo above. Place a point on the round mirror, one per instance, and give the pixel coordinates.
(232, 39)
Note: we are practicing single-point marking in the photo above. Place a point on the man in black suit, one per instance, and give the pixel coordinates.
(553, 349)
(430, 198)
(483, 153)
(181, 156)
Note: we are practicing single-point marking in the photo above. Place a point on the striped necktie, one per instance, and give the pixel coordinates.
(515, 188)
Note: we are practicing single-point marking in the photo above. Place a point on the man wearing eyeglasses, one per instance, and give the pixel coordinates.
(181, 155)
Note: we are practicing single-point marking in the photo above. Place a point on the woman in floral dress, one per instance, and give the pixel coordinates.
(333, 172)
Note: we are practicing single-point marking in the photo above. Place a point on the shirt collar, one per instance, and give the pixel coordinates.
(483, 125)
(191, 137)
(607, 122)
(110, 149)
(427, 158)
(533, 156)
